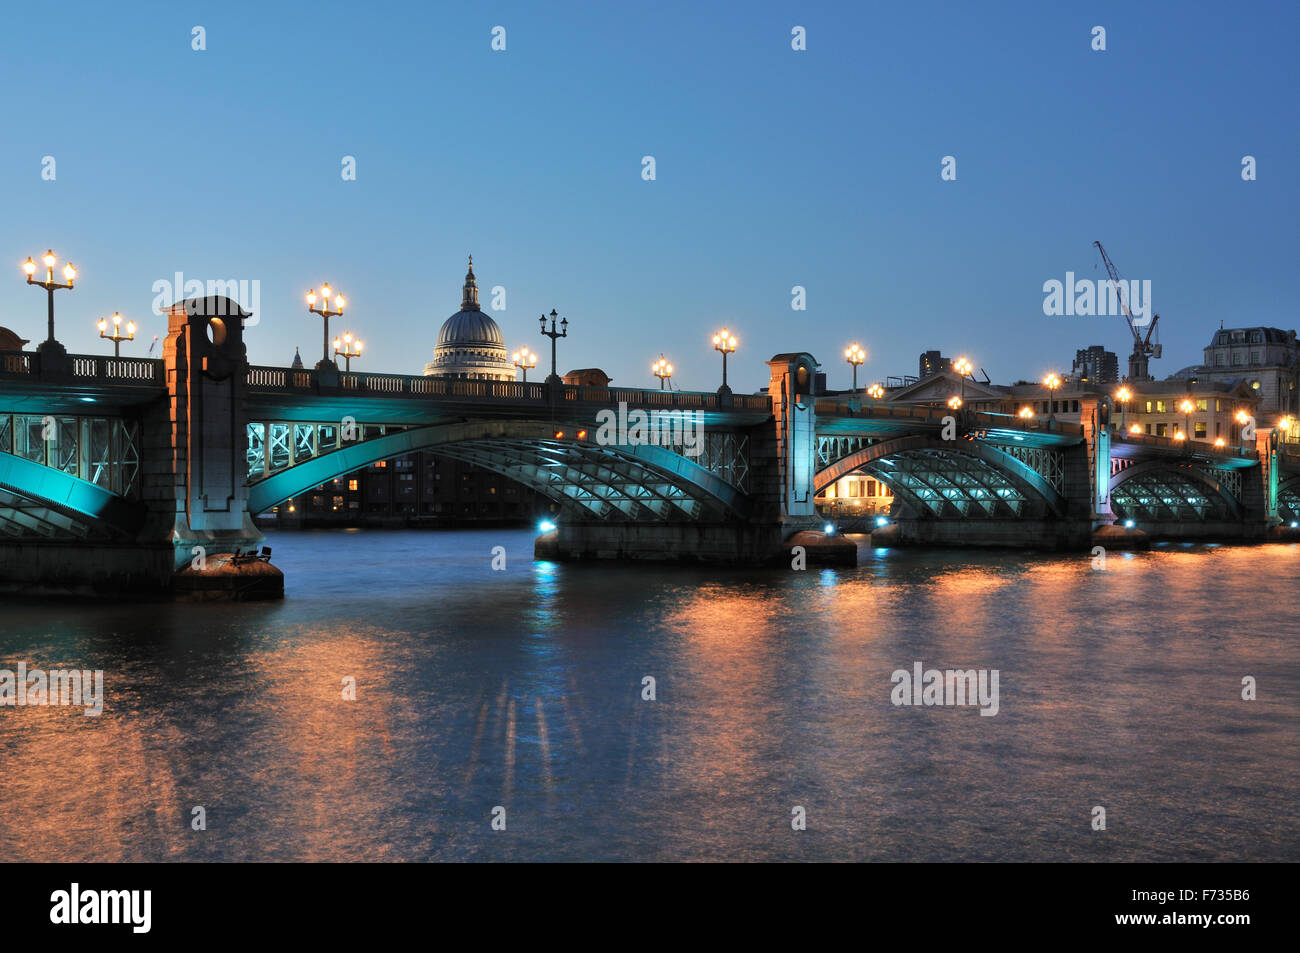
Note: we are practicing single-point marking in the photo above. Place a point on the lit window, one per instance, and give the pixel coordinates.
(354, 485)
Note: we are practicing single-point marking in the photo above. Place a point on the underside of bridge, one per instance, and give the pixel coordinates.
(620, 483)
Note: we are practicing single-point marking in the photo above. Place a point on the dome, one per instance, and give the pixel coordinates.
(470, 329)
(470, 344)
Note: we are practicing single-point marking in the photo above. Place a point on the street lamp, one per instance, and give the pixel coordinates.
(1135, 429)
(725, 342)
(51, 286)
(524, 359)
(954, 402)
(1123, 395)
(1220, 443)
(662, 370)
(117, 337)
(1026, 413)
(855, 356)
(1242, 418)
(1179, 436)
(875, 391)
(351, 348)
(1286, 425)
(1187, 406)
(325, 312)
(1052, 383)
(553, 335)
(963, 368)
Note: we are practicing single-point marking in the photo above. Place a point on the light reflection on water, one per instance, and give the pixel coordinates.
(522, 688)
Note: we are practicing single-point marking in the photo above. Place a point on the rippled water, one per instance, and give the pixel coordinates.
(522, 688)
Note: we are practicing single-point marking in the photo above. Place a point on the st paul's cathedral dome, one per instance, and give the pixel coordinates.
(470, 345)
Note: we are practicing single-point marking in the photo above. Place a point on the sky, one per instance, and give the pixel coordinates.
(774, 168)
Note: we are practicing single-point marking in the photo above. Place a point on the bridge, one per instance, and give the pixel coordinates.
(115, 471)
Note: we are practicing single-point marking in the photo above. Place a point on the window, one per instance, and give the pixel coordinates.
(1075, 406)
(337, 502)
(1218, 404)
(381, 464)
(1254, 357)
(1199, 430)
(1160, 407)
(354, 485)
(1162, 430)
(1148, 430)
(1220, 359)
(1203, 403)
(1237, 358)
(1149, 407)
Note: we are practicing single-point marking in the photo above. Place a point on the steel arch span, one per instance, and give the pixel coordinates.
(1288, 499)
(43, 502)
(1155, 490)
(952, 479)
(631, 483)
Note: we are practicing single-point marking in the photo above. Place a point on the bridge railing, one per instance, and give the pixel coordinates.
(1169, 443)
(100, 367)
(263, 378)
(975, 420)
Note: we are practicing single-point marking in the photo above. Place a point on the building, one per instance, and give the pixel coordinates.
(1268, 359)
(932, 362)
(587, 377)
(857, 494)
(1096, 365)
(470, 344)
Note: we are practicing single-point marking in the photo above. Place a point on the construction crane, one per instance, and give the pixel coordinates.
(1144, 348)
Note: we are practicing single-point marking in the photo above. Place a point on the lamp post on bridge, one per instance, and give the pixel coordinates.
(351, 348)
(50, 347)
(524, 359)
(116, 337)
(553, 335)
(1242, 418)
(1187, 406)
(325, 312)
(1123, 395)
(875, 391)
(724, 342)
(662, 370)
(856, 357)
(1052, 383)
(963, 368)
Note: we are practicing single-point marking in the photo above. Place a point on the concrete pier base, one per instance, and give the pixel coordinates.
(1073, 534)
(723, 544)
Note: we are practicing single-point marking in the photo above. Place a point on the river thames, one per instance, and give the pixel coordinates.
(522, 688)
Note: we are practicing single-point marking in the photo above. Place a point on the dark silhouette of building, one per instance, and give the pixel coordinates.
(1096, 365)
(932, 362)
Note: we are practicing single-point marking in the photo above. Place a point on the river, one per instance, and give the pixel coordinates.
(1120, 686)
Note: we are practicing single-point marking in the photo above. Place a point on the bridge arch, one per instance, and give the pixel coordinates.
(623, 482)
(951, 479)
(38, 500)
(1288, 498)
(1157, 490)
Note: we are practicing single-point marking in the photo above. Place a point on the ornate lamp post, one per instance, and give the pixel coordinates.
(1242, 418)
(725, 342)
(662, 370)
(954, 402)
(1123, 395)
(963, 368)
(1187, 406)
(856, 357)
(325, 312)
(553, 335)
(524, 359)
(50, 286)
(875, 391)
(1052, 383)
(351, 348)
(1026, 413)
(116, 337)
(1287, 424)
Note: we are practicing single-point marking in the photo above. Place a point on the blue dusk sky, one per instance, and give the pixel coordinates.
(775, 168)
